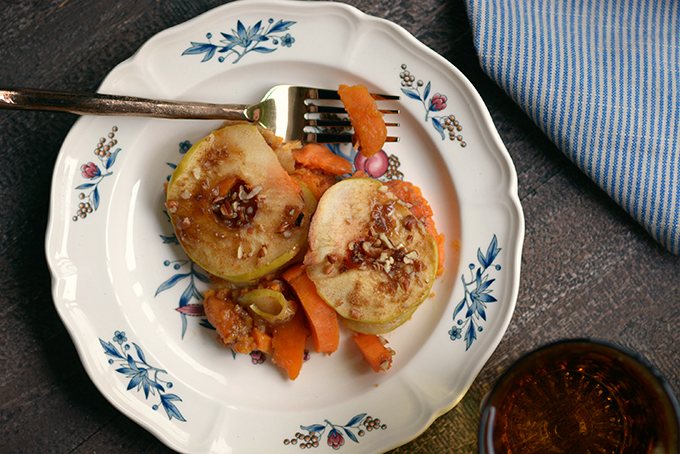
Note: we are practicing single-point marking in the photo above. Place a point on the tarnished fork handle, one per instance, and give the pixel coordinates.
(102, 104)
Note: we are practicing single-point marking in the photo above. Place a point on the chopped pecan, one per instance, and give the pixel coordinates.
(410, 222)
(183, 224)
(172, 206)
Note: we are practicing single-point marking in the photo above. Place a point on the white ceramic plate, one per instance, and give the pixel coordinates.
(130, 298)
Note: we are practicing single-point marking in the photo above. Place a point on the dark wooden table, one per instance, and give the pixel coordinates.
(588, 269)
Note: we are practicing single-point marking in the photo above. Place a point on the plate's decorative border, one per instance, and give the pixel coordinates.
(476, 299)
(142, 375)
(444, 124)
(249, 39)
(106, 155)
(380, 166)
(360, 423)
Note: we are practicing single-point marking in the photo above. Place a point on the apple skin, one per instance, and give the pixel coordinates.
(365, 296)
(380, 328)
(271, 237)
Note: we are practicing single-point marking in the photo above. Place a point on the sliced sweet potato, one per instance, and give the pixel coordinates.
(367, 120)
(323, 320)
(317, 156)
(288, 343)
(374, 351)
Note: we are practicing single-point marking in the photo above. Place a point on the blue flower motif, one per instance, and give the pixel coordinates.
(191, 291)
(287, 41)
(184, 147)
(243, 36)
(472, 307)
(455, 333)
(142, 376)
(119, 336)
(244, 40)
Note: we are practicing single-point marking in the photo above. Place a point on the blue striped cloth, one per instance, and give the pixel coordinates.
(602, 80)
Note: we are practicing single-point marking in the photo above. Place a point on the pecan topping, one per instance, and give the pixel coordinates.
(238, 206)
(379, 252)
(171, 206)
(410, 222)
(183, 224)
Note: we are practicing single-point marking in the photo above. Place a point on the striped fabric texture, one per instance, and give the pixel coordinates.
(602, 80)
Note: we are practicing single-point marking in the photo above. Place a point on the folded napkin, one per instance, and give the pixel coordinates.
(602, 80)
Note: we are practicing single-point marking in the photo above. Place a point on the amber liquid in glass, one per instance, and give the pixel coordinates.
(579, 399)
(560, 412)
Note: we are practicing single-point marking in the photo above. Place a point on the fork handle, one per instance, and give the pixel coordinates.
(101, 104)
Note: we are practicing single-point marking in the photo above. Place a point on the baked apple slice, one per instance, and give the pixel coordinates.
(370, 258)
(236, 211)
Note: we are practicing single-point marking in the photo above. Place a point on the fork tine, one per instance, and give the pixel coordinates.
(320, 93)
(312, 108)
(329, 123)
(315, 137)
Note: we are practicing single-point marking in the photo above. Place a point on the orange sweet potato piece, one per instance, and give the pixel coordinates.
(263, 341)
(316, 180)
(317, 156)
(232, 322)
(375, 353)
(369, 127)
(288, 344)
(323, 320)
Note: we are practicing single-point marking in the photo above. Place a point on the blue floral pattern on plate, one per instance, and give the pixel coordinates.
(95, 174)
(244, 40)
(142, 375)
(477, 296)
(418, 90)
(335, 438)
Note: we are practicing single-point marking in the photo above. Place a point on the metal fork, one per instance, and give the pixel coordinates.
(291, 112)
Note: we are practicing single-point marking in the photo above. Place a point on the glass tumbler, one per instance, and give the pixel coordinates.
(580, 396)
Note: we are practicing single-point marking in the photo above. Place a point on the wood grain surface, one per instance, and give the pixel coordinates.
(587, 270)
